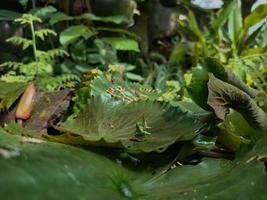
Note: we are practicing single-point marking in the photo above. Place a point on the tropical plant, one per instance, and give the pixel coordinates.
(238, 43)
(136, 126)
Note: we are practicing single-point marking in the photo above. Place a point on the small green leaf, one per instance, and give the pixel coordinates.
(122, 44)
(134, 77)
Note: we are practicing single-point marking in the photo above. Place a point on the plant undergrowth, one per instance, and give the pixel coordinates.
(146, 102)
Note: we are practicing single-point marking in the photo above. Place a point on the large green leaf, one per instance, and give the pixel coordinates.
(116, 124)
(73, 33)
(215, 179)
(223, 96)
(9, 93)
(44, 170)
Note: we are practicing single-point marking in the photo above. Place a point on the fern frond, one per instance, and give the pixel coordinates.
(50, 55)
(25, 43)
(60, 82)
(53, 53)
(12, 65)
(13, 78)
(28, 19)
(42, 33)
(32, 67)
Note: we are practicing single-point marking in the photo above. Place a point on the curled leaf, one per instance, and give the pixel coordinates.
(223, 96)
(197, 88)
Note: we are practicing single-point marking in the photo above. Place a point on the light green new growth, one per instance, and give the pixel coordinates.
(41, 68)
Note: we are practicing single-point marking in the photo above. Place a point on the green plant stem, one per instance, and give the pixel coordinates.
(34, 45)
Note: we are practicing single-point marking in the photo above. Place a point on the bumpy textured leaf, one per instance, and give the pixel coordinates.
(114, 86)
(223, 96)
(9, 93)
(114, 124)
(45, 170)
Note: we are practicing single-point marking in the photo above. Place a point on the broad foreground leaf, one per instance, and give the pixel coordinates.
(35, 169)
